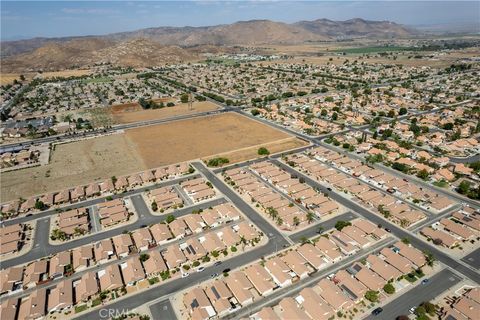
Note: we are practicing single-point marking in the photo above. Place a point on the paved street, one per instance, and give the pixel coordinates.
(397, 230)
(45, 248)
(312, 231)
(95, 201)
(473, 259)
(162, 310)
(290, 291)
(256, 218)
(439, 283)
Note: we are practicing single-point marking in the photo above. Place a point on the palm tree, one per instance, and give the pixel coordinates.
(279, 221)
(310, 217)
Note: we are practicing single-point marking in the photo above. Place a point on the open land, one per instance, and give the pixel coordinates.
(81, 162)
(8, 78)
(198, 138)
(129, 113)
(72, 164)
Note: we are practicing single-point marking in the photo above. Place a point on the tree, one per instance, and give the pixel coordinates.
(296, 221)
(262, 151)
(430, 308)
(184, 98)
(39, 205)
(340, 224)
(255, 112)
(215, 162)
(391, 113)
(170, 218)
(389, 288)
(334, 116)
(310, 216)
(144, 257)
(402, 111)
(371, 296)
(464, 187)
(154, 206)
(423, 174)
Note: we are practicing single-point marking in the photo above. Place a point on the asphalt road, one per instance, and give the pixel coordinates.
(395, 229)
(133, 301)
(59, 138)
(413, 179)
(473, 259)
(439, 283)
(162, 310)
(312, 231)
(44, 248)
(290, 291)
(95, 201)
(256, 218)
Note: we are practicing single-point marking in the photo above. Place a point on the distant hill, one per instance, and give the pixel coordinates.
(158, 45)
(356, 28)
(136, 52)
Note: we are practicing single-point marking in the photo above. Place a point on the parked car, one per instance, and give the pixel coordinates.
(200, 269)
(226, 270)
(425, 281)
(184, 275)
(377, 311)
(412, 310)
(217, 263)
(388, 230)
(214, 275)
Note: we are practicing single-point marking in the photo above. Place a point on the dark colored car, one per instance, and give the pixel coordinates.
(388, 230)
(226, 270)
(377, 311)
(217, 263)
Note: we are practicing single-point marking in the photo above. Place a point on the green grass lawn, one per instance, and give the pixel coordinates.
(80, 308)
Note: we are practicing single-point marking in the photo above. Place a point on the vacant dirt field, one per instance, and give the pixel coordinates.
(7, 78)
(230, 135)
(200, 138)
(133, 112)
(73, 164)
(248, 153)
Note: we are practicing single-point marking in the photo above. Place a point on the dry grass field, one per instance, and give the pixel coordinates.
(73, 164)
(230, 135)
(7, 78)
(250, 152)
(200, 138)
(132, 112)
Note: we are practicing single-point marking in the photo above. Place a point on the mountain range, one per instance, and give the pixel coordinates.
(153, 46)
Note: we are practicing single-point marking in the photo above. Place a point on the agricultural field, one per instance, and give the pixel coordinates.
(128, 113)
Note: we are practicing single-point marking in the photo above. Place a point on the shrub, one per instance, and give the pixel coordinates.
(389, 288)
(262, 151)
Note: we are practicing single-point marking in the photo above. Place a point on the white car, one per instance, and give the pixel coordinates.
(200, 269)
(412, 310)
(184, 275)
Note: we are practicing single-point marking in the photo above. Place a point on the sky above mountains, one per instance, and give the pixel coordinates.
(28, 19)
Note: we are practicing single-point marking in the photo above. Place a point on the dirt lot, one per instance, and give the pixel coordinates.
(6, 78)
(230, 135)
(199, 138)
(73, 164)
(132, 112)
(251, 152)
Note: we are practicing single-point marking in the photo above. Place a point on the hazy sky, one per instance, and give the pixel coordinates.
(26, 19)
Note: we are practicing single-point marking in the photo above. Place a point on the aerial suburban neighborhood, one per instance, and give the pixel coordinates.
(318, 163)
